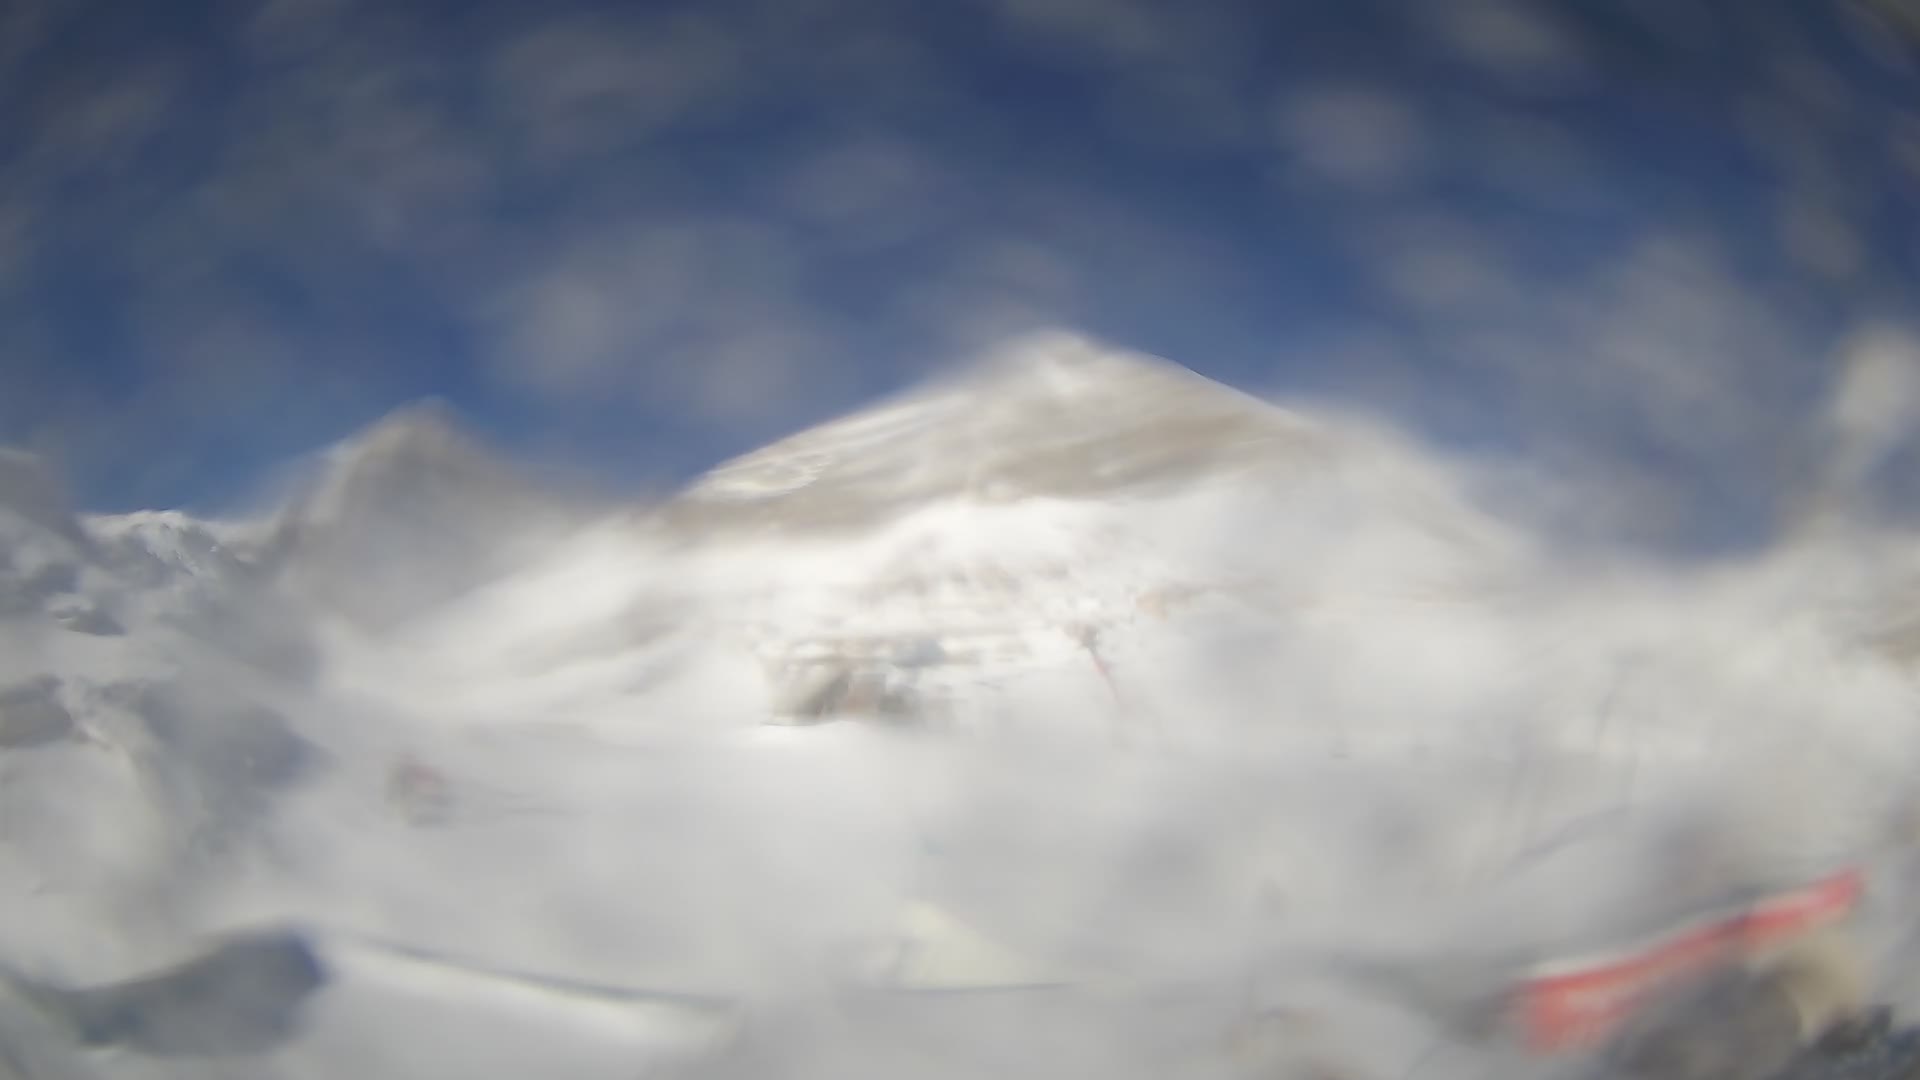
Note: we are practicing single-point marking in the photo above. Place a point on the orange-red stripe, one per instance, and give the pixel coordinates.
(1572, 1008)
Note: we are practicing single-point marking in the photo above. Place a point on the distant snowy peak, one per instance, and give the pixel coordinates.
(1052, 415)
(420, 452)
(406, 513)
(51, 567)
(160, 546)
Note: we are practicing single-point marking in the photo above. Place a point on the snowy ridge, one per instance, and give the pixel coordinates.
(166, 548)
(1052, 415)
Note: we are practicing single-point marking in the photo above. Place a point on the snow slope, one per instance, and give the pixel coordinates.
(1071, 668)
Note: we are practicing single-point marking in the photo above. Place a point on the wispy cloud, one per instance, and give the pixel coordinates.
(1525, 44)
(1353, 135)
(671, 314)
(671, 208)
(573, 87)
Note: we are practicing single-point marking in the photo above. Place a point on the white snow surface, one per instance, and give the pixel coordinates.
(1271, 706)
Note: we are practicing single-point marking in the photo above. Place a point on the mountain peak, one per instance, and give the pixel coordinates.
(430, 427)
(1050, 415)
(1072, 368)
(405, 512)
(416, 450)
(1062, 359)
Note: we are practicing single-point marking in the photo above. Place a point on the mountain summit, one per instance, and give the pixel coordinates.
(1051, 415)
(403, 514)
(415, 453)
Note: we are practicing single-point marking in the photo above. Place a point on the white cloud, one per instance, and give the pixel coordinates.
(1654, 378)
(755, 373)
(1882, 31)
(92, 123)
(218, 357)
(22, 25)
(588, 83)
(355, 145)
(1115, 30)
(1352, 135)
(1669, 331)
(1517, 41)
(869, 193)
(1441, 265)
(1876, 403)
(279, 28)
(1820, 237)
(1175, 78)
(992, 289)
(672, 314)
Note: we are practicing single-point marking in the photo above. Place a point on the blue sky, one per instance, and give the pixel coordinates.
(1626, 236)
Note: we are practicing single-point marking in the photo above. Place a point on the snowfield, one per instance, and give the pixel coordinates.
(1073, 716)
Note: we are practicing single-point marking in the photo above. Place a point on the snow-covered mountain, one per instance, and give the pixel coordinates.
(1038, 518)
(162, 677)
(133, 748)
(1161, 669)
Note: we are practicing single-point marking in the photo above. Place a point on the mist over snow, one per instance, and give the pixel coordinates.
(748, 539)
(1129, 702)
